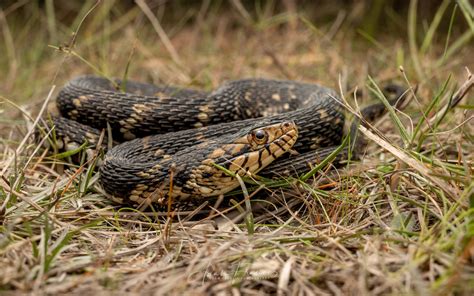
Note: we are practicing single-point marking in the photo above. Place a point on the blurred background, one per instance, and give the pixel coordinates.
(203, 43)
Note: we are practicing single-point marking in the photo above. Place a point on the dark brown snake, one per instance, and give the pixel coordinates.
(188, 145)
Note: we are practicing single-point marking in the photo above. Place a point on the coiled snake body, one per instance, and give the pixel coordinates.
(186, 144)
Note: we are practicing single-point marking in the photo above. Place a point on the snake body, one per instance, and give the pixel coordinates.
(188, 144)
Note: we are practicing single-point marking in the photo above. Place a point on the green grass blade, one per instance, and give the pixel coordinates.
(426, 112)
(468, 13)
(325, 161)
(70, 153)
(412, 28)
(378, 92)
(428, 40)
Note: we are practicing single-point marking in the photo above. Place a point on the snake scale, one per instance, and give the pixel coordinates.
(187, 144)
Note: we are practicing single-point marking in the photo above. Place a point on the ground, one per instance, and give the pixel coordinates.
(400, 221)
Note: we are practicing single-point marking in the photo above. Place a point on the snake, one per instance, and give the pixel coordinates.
(186, 145)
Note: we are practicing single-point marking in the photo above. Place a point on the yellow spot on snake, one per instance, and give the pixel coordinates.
(198, 125)
(136, 116)
(203, 116)
(143, 175)
(139, 108)
(276, 97)
(76, 102)
(248, 96)
(317, 141)
(205, 190)
(199, 136)
(91, 137)
(136, 192)
(202, 145)
(159, 152)
(134, 197)
(217, 153)
(205, 109)
(154, 169)
(141, 187)
(322, 113)
(125, 127)
(191, 184)
(227, 179)
(146, 142)
(131, 121)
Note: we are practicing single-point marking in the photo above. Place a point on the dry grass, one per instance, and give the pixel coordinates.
(399, 222)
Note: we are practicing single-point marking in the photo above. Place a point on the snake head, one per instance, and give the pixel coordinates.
(243, 154)
(259, 147)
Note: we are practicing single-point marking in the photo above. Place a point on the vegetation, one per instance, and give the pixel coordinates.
(401, 221)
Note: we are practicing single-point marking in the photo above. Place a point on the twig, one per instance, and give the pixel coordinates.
(30, 131)
(398, 153)
(161, 33)
(278, 64)
(457, 97)
(72, 42)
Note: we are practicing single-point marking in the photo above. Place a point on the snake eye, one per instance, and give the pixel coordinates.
(260, 136)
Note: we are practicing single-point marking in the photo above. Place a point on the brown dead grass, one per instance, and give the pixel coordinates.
(382, 226)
